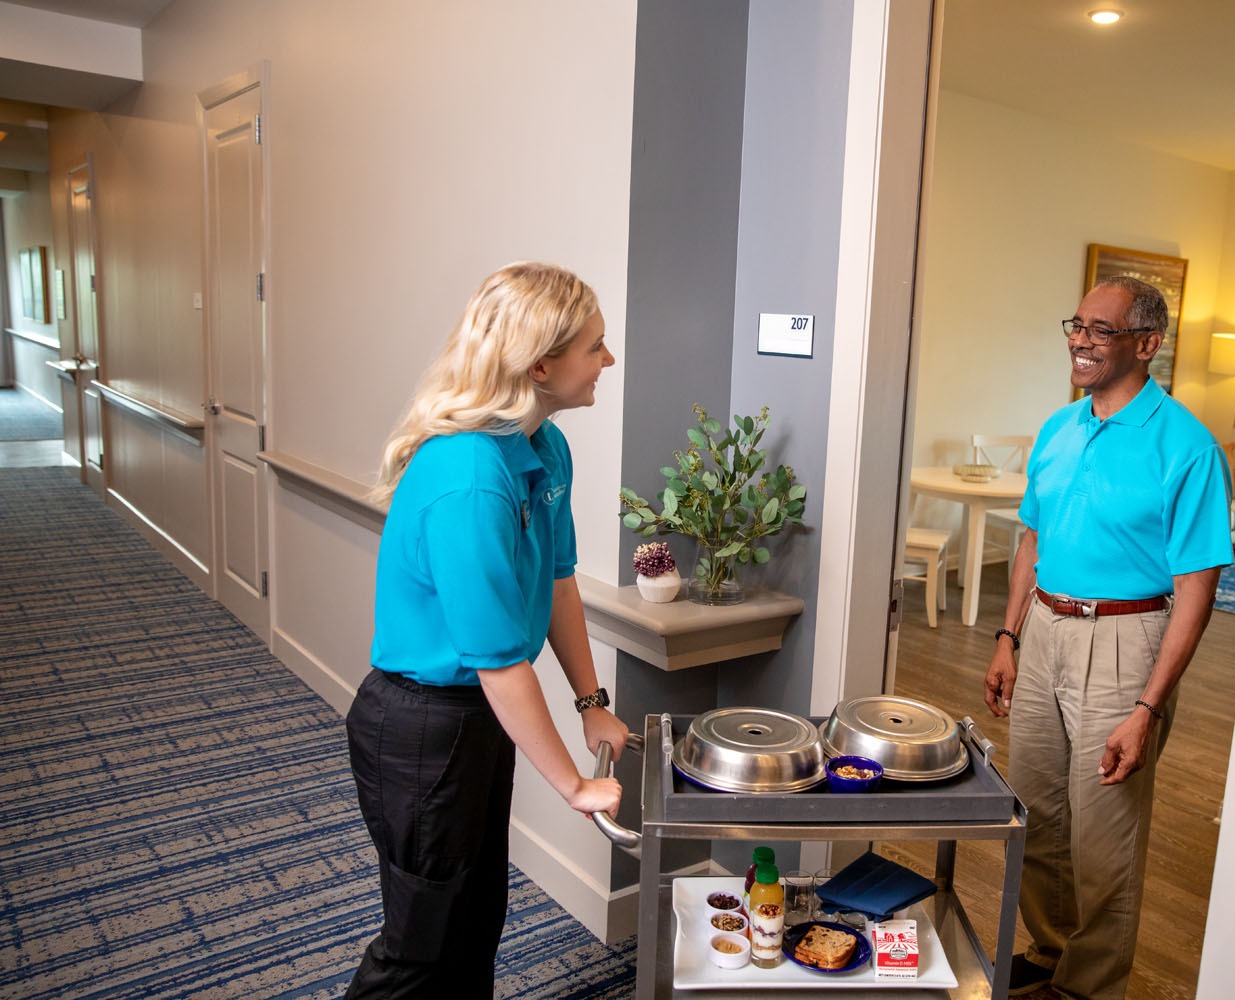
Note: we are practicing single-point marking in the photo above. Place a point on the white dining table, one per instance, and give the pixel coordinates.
(941, 483)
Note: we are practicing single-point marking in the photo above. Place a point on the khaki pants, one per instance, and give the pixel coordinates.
(1086, 843)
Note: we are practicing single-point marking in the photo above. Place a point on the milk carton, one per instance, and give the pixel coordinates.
(896, 949)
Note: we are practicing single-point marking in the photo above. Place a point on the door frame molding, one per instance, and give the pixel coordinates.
(863, 507)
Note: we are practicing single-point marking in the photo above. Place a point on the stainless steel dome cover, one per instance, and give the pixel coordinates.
(751, 750)
(913, 741)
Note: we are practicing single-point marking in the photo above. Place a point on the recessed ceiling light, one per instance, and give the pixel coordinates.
(1106, 15)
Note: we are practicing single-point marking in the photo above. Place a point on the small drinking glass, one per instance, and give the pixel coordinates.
(820, 913)
(800, 898)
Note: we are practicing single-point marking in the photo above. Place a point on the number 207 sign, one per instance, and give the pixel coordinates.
(786, 333)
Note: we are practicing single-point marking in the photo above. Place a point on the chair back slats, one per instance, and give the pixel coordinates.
(1007, 452)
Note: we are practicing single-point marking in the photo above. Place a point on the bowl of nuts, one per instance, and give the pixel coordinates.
(727, 921)
(853, 774)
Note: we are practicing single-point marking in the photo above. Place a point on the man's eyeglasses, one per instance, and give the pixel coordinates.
(1098, 335)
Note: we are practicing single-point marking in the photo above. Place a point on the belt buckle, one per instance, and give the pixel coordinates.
(1077, 608)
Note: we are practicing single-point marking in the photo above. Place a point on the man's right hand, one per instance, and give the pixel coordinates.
(1000, 680)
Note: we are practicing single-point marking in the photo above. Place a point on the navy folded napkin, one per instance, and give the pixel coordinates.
(874, 886)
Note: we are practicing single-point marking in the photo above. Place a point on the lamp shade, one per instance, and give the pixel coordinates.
(1222, 353)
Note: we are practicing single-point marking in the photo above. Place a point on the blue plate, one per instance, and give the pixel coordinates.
(861, 955)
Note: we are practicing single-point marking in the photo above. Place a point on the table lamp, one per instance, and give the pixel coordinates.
(1222, 353)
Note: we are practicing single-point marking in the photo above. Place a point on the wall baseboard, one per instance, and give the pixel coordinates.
(333, 689)
(161, 540)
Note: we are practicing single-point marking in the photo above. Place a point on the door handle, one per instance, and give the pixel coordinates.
(212, 407)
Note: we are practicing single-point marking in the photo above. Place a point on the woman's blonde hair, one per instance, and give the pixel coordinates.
(481, 381)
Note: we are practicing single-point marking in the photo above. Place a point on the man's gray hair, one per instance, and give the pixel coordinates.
(1148, 308)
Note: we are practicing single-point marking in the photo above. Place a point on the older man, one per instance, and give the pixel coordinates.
(1127, 516)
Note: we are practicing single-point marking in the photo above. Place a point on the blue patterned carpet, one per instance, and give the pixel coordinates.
(25, 418)
(1225, 600)
(177, 816)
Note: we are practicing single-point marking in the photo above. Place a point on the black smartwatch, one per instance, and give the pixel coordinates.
(597, 699)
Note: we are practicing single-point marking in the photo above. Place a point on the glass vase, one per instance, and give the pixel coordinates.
(715, 579)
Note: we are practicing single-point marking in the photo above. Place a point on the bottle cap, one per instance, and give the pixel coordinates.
(767, 873)
(763, 855)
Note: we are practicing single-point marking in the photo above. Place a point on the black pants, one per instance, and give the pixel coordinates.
(434, 771)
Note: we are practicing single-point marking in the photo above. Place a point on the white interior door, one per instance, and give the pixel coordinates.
(88, 348)
(236, 311)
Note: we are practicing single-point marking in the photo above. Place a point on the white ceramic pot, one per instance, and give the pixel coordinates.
(659, 589)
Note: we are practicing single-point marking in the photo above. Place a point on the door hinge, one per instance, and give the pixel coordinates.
(92, 282)
(265, 584)
(261, 286)
(261, 437)
(894, 608)
(257, 128)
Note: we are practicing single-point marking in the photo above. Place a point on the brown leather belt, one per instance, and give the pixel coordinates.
(1062, 605)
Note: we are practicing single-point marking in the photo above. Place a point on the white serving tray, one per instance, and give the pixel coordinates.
(693, 971)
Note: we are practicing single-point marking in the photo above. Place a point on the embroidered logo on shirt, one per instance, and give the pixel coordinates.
(552, 493)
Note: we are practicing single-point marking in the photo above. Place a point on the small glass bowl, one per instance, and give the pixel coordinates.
(843, 784)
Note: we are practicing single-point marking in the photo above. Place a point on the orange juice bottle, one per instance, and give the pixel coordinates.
(761, 855)
(767, 917)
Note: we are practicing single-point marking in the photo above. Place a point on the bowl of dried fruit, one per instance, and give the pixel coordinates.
(853, 774)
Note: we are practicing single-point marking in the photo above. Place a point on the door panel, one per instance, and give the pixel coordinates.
(84, 289)
(237, 329)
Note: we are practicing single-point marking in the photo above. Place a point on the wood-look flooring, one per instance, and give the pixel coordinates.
(945, 667)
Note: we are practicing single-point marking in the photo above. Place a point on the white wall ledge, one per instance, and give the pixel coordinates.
(182, 424)
(684, 634)
(342, 494)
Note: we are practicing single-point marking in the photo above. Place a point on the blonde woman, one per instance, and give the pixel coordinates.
(474, 572)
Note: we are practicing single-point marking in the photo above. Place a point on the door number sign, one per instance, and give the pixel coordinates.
(790, 334)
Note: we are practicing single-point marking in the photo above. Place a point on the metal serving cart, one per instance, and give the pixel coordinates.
(975, 805)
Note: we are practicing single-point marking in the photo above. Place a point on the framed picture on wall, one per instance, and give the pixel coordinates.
(1165, 273)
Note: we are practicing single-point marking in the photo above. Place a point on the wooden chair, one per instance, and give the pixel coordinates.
(930, 548)
(1008, 453)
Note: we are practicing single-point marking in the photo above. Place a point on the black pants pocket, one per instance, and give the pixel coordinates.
(420, 914)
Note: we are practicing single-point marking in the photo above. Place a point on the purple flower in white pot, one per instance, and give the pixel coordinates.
(658, 579)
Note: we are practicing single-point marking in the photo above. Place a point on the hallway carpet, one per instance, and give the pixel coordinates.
(1225, 599)
(24, 417)
(177, 817)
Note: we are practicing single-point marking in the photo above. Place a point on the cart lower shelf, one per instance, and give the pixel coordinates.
(954, 934)
(693, 971)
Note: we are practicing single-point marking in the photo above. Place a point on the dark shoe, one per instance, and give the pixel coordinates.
(1027, 976)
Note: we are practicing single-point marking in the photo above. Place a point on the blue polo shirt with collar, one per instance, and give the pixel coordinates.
(1124, 504)
(479, 529)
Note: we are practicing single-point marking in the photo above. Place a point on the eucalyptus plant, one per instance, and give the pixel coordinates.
(719, 495)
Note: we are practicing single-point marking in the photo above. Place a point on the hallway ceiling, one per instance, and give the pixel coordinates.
(1161, 78)
(131, 13)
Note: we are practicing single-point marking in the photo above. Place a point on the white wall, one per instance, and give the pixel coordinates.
(413, 148)
(1015, 201)
(1220, 395)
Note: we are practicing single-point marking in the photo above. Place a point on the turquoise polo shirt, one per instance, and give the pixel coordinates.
(479, 529)
(1122, 505)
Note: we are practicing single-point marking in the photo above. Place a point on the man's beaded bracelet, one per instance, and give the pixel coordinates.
(1149, 708)
(1016, 639)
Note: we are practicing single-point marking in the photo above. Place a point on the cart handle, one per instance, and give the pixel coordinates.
(628, 840)
(980, 741)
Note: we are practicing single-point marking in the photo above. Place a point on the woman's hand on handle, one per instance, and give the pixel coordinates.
(599, 724)
(597, 795)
